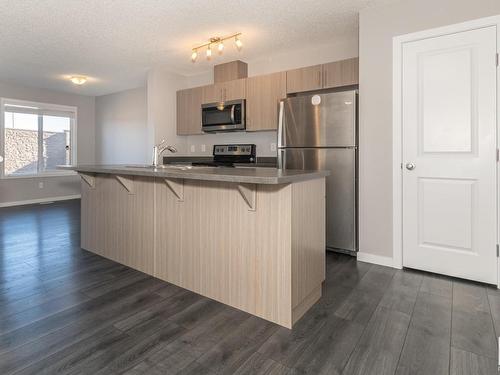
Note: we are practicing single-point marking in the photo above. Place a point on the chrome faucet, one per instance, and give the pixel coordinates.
(159, 149)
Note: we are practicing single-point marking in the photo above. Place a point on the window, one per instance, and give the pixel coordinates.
(36, 138)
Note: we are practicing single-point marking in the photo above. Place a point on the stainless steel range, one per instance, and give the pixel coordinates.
(229, 155)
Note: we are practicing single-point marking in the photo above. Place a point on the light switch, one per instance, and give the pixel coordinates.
(273, 146)
(40, 185)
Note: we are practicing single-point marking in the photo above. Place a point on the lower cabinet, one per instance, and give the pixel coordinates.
(258, 248)
(117, 219)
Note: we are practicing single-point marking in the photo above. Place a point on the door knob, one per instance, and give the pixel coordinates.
(410, 166)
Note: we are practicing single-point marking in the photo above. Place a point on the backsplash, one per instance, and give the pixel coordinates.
(265, 142)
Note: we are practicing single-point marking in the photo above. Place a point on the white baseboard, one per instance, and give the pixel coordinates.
(41, 200)
(376, 259)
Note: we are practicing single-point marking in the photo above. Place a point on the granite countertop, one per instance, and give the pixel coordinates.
(269, 176)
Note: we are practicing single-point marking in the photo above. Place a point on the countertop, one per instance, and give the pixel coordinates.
(268, 176)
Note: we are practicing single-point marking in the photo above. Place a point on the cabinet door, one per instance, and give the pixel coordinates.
(189, 111)
(211, 94)
(263, 95)
(341, 73)
(232, 90)
(304, 79)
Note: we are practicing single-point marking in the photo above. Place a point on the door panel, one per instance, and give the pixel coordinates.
(449, 136)
(329, 123)
(341, 190)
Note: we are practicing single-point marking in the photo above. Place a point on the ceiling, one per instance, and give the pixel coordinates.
(115, 42)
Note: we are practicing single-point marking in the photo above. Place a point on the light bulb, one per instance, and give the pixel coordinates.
(209, 52)
(78, 80)
(221, 47)
(194, 56)
(238, 42)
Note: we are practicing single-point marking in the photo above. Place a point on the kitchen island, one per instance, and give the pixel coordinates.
(252, 238)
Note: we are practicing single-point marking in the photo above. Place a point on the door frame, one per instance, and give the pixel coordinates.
(397, 124)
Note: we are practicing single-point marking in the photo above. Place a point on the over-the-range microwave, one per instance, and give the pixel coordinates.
(223, 116)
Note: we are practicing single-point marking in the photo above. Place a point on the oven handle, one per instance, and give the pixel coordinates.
(232, 113)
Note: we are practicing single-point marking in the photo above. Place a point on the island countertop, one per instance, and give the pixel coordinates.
(266, 176)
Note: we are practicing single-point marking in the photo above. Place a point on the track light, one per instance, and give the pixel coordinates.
(216, 41)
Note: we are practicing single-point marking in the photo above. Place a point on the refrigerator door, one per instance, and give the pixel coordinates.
(323, 120)
(341, 190)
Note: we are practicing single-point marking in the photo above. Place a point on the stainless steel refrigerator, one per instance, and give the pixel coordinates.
(320, 132)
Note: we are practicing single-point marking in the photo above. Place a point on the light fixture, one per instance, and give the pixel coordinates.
(238, 42)
(78, 80)
(216, 41)
(194, 56)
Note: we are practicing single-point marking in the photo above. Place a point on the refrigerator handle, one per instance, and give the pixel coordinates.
(281, 158)
(280, 124)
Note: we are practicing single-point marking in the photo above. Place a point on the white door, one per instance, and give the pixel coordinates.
(449, 154)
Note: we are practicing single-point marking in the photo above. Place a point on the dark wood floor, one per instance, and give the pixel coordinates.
(65, 310)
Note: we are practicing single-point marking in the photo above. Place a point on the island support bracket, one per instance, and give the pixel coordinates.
(176, 186)
(127, 183)
(89, 178)
(249, 194)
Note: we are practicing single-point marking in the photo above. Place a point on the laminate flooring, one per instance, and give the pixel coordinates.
(64, 310)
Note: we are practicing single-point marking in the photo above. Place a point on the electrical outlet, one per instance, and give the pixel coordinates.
(203, 148)
(273, 146)
(40, 185)
(193, 148)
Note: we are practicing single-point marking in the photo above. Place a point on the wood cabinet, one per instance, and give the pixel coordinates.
(334, 74)
(263, 94)
(304, 79)
(224, 91)
(341, 73)
(189, 111)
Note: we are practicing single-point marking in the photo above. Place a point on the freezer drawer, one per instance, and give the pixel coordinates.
(341, 190)
(323, 120)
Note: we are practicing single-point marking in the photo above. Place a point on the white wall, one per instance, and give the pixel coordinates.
(162, 85)
(121, 127)
(377, 28)
(21, 189)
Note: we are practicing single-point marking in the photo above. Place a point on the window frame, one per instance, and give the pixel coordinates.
(45, 107)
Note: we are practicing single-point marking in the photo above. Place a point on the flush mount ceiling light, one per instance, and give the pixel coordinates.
(219, 42)
(78, 80)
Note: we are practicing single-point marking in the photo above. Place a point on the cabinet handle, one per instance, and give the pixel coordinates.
(324, 78)
(319, 78)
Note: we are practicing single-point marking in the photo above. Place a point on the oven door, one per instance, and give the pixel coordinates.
(227, 116)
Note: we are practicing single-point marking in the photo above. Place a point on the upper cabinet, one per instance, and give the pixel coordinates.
(224, 91)
(189, 111)
(262, 93)
(334, 74)
(341, 73)
(263, 96)
(304, 79)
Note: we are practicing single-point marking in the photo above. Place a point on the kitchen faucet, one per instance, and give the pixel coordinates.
(159, 149)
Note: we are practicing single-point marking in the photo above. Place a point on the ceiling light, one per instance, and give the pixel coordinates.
(78, 80)
(216, 41)
(238, 42)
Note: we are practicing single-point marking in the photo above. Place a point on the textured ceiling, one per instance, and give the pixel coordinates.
(116, 42)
